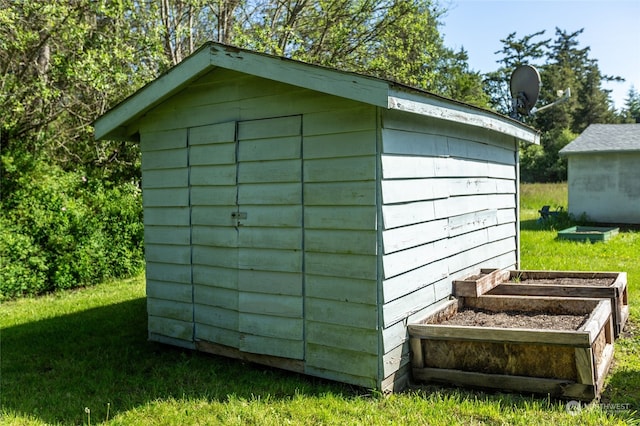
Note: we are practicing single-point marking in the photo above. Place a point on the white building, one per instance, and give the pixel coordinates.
(604, 173)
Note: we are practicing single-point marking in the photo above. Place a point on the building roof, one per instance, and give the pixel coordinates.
(598, 138)
(120, 123)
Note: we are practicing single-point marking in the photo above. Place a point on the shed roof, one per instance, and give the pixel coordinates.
(120, 123)
(599, 138)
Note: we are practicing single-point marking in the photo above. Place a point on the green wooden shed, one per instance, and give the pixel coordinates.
(299, 216)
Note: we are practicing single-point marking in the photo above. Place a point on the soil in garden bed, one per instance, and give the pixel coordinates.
(516, 319)
(568, 281)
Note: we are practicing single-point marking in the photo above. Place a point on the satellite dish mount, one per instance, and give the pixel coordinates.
(525, 86)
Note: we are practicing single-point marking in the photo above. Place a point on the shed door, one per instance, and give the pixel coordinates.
(269, 224)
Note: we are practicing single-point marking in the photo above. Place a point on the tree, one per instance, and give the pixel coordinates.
(571, 67)
(516, 52)
(186, 24)
(62, 64)
(391, 39)
(458, 82)
(631, 110)
(541, 163)
(562, 64)
(412, 51)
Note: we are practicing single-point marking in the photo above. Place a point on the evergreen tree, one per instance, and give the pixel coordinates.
(631, 110)
(565, 65)
(570, 67)
(515, 52)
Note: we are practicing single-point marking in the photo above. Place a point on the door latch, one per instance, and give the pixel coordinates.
(238, 216)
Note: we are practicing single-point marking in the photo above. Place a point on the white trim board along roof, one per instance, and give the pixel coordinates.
(599, 138)
(120, 122)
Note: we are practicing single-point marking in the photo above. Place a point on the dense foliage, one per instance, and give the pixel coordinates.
(65, 229)
(70, 211)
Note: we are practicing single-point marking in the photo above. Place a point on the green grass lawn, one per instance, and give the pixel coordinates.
(82, 356)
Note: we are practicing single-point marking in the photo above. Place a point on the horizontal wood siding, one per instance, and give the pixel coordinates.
(340, 244)
(226, 96)
(338, 211)
(212, 173)
(270, 175)
(165, 185)
(448, 208)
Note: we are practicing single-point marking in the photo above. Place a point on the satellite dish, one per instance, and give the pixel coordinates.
(525, 89)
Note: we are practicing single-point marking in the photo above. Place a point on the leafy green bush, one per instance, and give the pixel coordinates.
(62, 229)
(23, 268)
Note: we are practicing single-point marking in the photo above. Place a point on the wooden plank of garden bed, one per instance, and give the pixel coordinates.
(550, 304)
(616, 291)
(598, 319)
(477, 287)
(584, 366)
(534, 274)
(495, 334)
(556, 291)
(621, 282)
(417, 358)
(562, 388)
(603, 367)
(441, 312)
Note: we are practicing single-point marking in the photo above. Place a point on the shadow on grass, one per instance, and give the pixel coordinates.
(52, 369)
(556, 222)
(532, 225)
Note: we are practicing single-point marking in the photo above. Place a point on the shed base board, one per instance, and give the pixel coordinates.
(154, 337)
(557, 388)
(294, 365)
(397, 381)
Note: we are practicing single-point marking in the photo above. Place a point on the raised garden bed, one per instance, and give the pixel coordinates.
(480, 283)
(587, 233)
(609, 285)
(534, 349)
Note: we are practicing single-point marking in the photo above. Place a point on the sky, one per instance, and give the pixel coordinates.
(611, 31)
